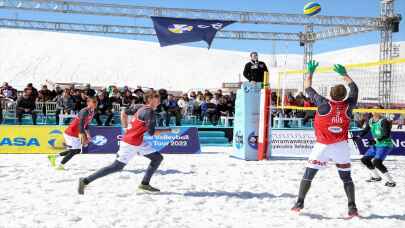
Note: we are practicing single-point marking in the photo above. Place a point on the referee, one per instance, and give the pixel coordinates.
(254, 70)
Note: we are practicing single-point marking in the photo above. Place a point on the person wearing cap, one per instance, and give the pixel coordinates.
(254, 70)
(89, 91)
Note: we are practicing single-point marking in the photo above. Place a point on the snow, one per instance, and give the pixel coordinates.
(37, 56)
(202, 190)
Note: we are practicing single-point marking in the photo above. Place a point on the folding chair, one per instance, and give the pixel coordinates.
(50, 108)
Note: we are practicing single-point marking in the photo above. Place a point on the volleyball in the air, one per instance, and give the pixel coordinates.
(312, 8)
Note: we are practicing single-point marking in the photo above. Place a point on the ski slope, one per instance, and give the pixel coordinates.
(205, 190)
(38, 56)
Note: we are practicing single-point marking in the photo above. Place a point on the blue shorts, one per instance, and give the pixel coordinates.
(378, 152)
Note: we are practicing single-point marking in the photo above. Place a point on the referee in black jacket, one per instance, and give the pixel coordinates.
(254, 70)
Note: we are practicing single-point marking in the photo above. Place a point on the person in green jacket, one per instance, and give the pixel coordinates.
(380, 146)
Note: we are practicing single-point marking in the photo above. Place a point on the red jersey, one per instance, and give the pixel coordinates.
(142, 122)
(80, 123)
(333, 127)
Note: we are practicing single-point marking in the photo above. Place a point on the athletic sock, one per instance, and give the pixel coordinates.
(388, 177)
(374, 173)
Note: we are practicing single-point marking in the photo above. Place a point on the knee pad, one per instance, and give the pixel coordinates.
(379, 165)
(309, 174)
(367, 162)
(345, 176)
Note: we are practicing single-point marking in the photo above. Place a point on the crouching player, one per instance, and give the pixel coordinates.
(380, 146)
(76, 135)
(332, 120)
(132, 144)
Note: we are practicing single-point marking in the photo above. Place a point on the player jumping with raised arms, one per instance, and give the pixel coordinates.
(332, 120)
(76, 135)
(380, 146)
(132, 144)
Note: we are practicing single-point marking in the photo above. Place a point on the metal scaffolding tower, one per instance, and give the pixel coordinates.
(115, 10)
(391, 24)
(135, 30)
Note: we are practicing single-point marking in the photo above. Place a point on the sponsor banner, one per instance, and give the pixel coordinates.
(175, 140)
(49, 139)
(246, 124)
(15, 139)
(104, 140)
(182, 140)
(295, 143)
(398, 138)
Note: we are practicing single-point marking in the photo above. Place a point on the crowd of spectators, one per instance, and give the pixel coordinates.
(201, 105)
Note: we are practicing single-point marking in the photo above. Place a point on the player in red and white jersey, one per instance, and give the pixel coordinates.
(77, 134)
(332, 120)
(144, 120)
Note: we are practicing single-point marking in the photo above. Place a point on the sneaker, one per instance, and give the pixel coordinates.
(81, 186)
(374, 179)
(147, 188)
(390, 184)
(298, 206)
(52, 160)
(353, 212)
(60, 167)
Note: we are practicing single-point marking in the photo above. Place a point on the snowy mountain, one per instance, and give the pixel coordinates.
(36, 56)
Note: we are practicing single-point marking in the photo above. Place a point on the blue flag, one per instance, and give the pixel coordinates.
(172, 31)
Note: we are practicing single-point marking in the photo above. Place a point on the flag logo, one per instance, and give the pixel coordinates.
(171, 31)
(180, 28)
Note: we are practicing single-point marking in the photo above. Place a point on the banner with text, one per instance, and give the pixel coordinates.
(15, 139)
(398, 138)
(296, 143)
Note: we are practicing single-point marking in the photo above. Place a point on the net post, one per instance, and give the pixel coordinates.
(263, 140)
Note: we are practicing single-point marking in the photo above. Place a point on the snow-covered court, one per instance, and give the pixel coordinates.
(204, 190)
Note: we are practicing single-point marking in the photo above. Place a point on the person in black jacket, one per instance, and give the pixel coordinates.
(26, 105)
(254, 70)
(104, 107)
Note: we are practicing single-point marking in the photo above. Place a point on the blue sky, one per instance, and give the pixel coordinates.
(329, 7)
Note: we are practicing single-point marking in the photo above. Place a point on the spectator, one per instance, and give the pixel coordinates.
(46, 94)
(222, 107)
(219, 92)
(116, 96)
(172, 110)
(197, 105)
(127, 99)
(138, 91)
(183, 104)
(230, 105)
(104, 107)
(210, 111)
(65, 105)
(57, 91)
(192, 96)
(207, 93)
(81, 102)
(215, 100)
(26, 105)
(254, 70)
(8, 92)
(139, 95)
(34, 93)
(89, 91)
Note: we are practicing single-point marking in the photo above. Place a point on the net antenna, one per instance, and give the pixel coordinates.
(283, 82)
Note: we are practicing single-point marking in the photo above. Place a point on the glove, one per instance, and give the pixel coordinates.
(340, 69)
(311, 66)
(371, 142)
